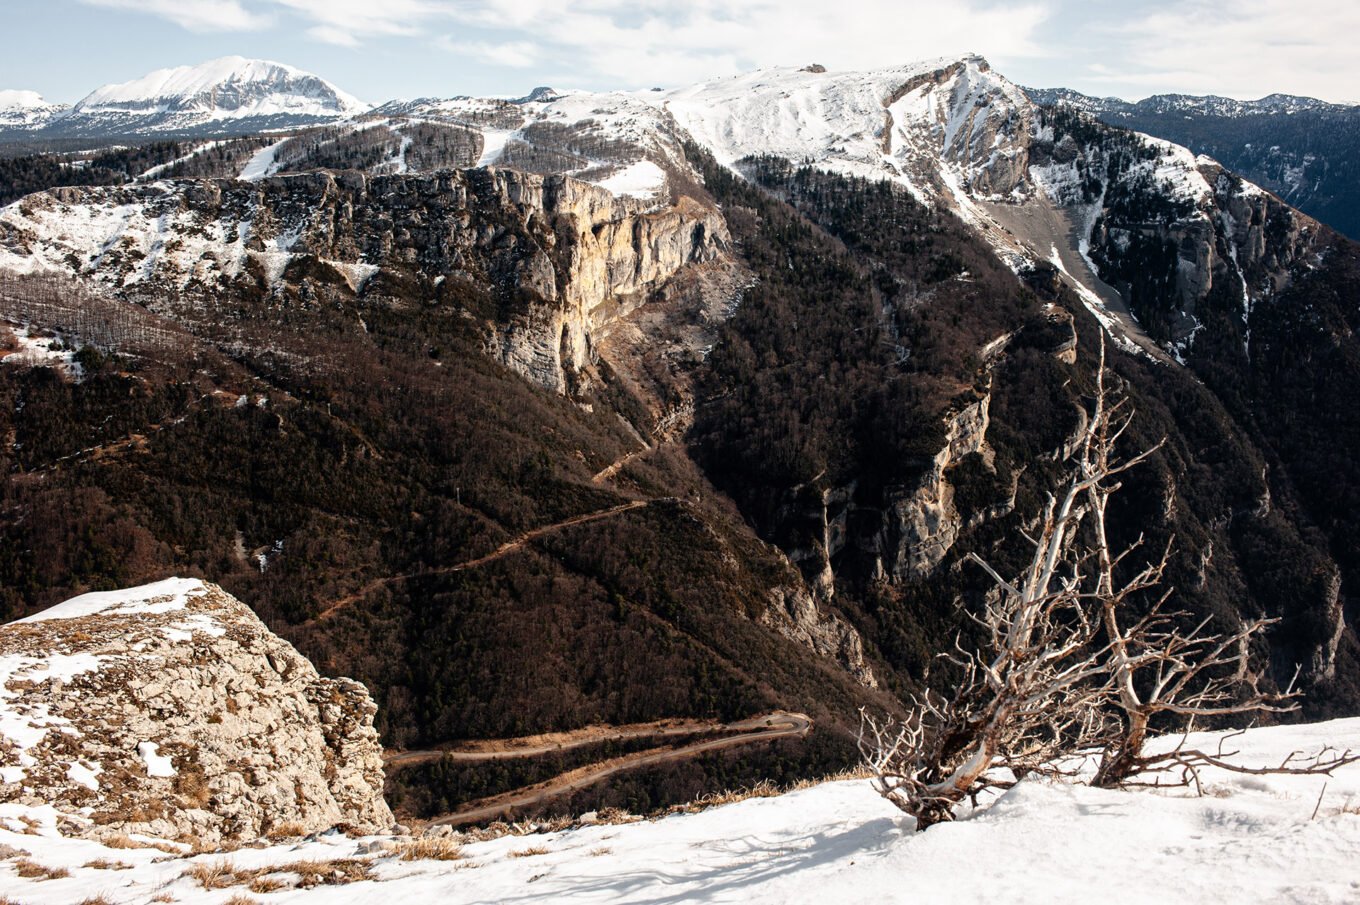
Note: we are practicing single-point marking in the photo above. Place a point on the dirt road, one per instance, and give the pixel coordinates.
(508, 547)
(779, 724)
(533, 745)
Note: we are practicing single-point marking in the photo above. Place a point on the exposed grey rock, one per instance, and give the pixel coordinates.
(794, 613)
(1323, 664)
(563, 259)
(921, 526)
(171, 710)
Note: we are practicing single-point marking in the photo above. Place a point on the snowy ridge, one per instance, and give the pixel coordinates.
(899, 124)
(1200, 105)
(229, 92)
(226, 88)
(166, 596)
(126, 236)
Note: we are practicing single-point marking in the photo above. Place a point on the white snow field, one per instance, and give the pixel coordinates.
(1248, 839)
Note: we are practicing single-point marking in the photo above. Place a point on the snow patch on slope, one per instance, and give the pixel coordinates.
(643, 179)
(159, 597)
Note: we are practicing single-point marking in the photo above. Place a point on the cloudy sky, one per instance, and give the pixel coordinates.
(380, 49)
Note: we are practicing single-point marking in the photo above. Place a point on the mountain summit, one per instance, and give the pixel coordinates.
(26, 110)
(230, 92)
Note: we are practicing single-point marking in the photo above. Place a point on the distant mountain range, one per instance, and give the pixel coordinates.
(1305, 150)
(231, 94)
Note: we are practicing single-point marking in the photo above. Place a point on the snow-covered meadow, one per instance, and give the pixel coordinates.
(1247, 839)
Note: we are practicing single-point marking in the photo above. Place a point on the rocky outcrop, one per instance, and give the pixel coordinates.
(920, 526)
(614, 253)
(1323, 664)
(903, 533)
(171, 710)
(793, 612)
(547, 263)
(1176, 235)
(964, 118)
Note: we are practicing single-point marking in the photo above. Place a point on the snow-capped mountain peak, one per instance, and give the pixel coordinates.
(900, 122)
(229, 86)
(226, 91)
(26, 109)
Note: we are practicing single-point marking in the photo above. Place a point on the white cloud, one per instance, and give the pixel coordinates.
(195, 15)
(1241, 48)
(351, 22)
(646, 41)
(513, 54)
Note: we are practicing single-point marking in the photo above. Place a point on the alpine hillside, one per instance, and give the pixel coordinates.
(1300, 148)
(591, 410)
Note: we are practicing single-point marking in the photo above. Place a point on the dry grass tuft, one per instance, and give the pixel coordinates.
(241, 900)
(428, 849)
(214, 874)
(327, 873)
(96, 900)
(124, 841)
(530, 852)
(223, 874)
(602, 850)
(291, 830)
(32, 870)
(267, 884)
(106, 864)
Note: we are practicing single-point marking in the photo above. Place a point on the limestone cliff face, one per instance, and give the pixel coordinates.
(920, 526)
(1323, 663)
(171, 710)
(614, 252)
(1171, 232)
(1239, 237)
(547, 262)
(902, 534)
(794, 613)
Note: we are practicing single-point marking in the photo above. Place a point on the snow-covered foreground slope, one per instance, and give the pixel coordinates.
(1248, 839)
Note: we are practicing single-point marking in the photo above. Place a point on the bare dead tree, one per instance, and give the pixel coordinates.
(1028, 695)
(1063, 667)
(1154, 666)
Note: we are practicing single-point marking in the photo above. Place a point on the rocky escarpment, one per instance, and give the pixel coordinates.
(171, 710)
(794, 613)
(546, 263)
(904, 533)
(920, 526)
(1179, 237)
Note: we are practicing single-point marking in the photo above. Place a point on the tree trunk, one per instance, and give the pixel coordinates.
(1124, 759)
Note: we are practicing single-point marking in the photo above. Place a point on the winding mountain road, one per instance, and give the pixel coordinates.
(509, 546)
(771, 726)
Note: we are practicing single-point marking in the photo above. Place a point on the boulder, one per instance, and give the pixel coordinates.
(171, 710)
